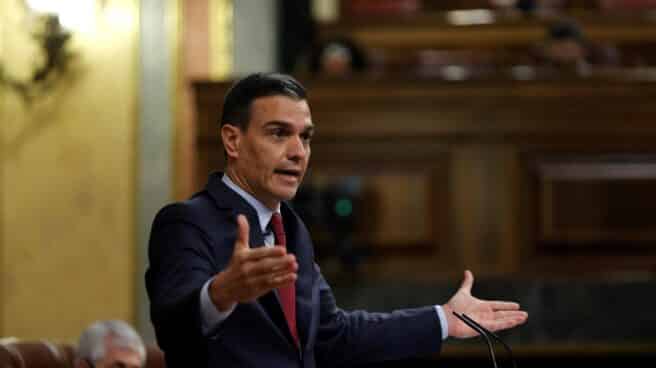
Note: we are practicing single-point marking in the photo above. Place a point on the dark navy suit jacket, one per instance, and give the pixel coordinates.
(193, 240)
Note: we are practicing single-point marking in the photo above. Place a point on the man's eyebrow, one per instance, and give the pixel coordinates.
(277, 123)
(286, 124)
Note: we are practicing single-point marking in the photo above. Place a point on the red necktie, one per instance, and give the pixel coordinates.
(287, 293)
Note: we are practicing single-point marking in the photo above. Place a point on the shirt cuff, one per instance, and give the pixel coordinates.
(443, 322)
(210, 316)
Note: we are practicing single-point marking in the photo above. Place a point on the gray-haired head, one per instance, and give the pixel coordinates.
(92, 341)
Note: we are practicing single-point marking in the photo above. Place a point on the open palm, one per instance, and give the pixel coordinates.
(493, 315)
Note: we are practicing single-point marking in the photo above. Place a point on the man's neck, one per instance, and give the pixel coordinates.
(240, 182)
(263, 213)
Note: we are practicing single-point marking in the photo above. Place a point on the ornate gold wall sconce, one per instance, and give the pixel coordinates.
(53, 40)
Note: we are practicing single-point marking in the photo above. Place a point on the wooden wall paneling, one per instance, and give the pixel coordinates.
(591, 212)
(589, 203)
(468, 190)
(508, 179)
(478, 142)
(409, 213)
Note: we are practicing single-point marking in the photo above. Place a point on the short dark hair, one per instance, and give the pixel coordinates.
(238, 100)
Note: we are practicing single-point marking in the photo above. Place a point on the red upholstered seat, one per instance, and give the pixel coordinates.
(38, 354)
(9, 358)
(69, 353)
(44, 354)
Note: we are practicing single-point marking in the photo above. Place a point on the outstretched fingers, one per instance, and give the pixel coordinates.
(242, 232)
(510, 314)
(501, 305)
(505, 322)
(270, 265)
(252, 272)
(467, 282)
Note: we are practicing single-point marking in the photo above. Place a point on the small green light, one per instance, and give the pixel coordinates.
(343, 207)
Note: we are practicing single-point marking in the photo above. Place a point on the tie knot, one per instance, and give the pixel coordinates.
(278, 229)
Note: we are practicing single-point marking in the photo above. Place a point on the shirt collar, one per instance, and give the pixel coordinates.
(263, 212)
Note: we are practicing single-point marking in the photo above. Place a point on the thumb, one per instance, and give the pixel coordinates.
(242, 232)
(468, 282)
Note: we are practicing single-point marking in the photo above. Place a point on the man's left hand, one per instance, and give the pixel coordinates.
(493, 315)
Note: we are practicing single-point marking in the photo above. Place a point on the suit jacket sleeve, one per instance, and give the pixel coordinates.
(180, 262)
(359, 337)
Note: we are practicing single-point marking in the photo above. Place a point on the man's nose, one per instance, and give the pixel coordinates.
(297, 148)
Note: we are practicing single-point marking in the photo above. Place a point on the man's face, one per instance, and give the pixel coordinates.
(270, 158)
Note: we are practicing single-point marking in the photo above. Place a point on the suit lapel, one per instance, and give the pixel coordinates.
(298, 242)
(227, 199)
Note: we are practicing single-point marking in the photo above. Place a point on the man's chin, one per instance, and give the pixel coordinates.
(286, 194)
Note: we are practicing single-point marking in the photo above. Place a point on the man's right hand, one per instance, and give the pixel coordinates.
(251, 272)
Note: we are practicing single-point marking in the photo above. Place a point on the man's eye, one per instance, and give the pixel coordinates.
(278, 133)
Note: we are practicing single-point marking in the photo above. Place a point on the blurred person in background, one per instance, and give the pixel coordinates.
(566, 49)
(563, 50)
(337, 58)
(110, 344)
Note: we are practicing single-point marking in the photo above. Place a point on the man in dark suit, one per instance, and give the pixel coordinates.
(232, 279)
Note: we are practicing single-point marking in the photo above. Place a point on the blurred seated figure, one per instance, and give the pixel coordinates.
(337, 58)
(565, 47)
(110, 344)
(567, 50)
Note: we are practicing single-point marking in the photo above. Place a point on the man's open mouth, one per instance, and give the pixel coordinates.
(294, 173)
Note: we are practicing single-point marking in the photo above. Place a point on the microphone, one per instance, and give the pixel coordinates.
(486, 334)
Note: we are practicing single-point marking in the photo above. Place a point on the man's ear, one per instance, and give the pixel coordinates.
(231, 138)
